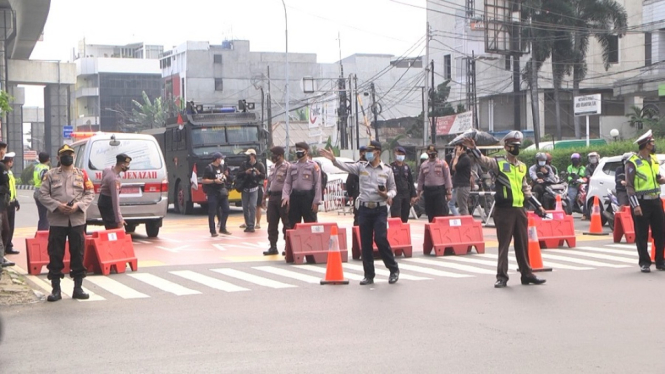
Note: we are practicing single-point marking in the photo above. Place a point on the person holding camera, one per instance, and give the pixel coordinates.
(66, 192)
(251, 174)
(377, 188)
(215, 177)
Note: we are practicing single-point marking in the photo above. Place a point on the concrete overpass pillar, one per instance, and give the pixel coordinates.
(15, 126)
(56, 116)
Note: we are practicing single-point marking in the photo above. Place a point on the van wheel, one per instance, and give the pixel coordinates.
(152, 228)
(130, 228)
(182, 206)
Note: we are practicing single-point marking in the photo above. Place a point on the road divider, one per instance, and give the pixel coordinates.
(309, 242)
(453, 234)
(399, 237)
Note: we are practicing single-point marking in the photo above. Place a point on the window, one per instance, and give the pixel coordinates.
(79, 152)
(611, 167)
(507, 62)
(219, 84)
(144, 153)
(613, 49)
(217, 59)
(647, 49)
(242, 134)
(447, 67)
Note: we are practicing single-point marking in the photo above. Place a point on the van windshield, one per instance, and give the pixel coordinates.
(144, 153)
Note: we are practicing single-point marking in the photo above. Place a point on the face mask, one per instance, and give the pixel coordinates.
(125, 168)
(400, 158)
(514, 150)
(300, 154)
(653, 149)
(274, 159)
(593, 160)
(432, 156)
(369, 156)
(541, 163)
(66, 160)
(221, 162)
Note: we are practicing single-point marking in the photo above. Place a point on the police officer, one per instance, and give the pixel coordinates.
(406, 191)
(66, 192)
(40, 169)
(353, 185)
(215, 179)
(276, 211)
(377, 188)
(643, 182)
(302, 188)
(13, 206)
(109, 193)
(510, 216)
(5, 195)
(435, 184)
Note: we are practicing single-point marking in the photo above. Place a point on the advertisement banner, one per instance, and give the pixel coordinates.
(454, 124)
(323, 113)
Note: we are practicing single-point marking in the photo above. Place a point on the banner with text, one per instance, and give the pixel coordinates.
(454, 124)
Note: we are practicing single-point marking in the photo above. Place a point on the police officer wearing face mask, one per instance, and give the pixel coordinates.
(66, 192)
(302, 187)
(109, 193)
(377, 187)
(643, 182)
(276, 211)
(512, 191)
(435, 183)
(406, 191)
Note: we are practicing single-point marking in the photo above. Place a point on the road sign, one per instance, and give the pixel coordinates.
(587, 105)
(67, 131)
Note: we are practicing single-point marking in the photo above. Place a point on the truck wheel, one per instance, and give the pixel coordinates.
(182, 206)
(152, 228)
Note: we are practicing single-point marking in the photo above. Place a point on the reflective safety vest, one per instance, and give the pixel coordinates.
(509, 184)
(646, 175)
(12, 186)
(38, 174)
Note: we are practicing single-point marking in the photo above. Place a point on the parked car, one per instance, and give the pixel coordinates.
(562, 144)
(603, 179)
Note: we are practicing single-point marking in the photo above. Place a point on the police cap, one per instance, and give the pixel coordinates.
(277, 150)
(513, 138)
(302, 145)
(65, 148)
(400, 150)
(431, 149)
(374, 146)
(123, 158)
(644, 139)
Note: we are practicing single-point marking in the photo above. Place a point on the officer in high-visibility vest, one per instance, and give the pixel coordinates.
(8, 234)
(643, 182)
(512, 191)
(37, 176)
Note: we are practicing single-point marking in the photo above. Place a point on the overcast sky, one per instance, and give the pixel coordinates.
(365, 26)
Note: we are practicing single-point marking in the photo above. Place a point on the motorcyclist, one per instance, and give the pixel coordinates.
(575, 174)
(620, 180)
(541, 174)
(593, 157)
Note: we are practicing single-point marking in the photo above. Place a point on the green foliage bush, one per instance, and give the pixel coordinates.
(26, 175)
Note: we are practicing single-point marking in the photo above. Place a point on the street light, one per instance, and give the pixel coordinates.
(614, 133)
(286, 34)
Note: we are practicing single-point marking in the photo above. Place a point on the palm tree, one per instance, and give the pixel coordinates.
(601, 19)
(147, 115)
(640, 116)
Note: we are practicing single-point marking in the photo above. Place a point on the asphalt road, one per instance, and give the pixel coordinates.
(596, 314)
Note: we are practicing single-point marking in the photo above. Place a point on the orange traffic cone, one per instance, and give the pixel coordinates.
(334, 272)
(559, 206)
(535, 258)
(596, 227)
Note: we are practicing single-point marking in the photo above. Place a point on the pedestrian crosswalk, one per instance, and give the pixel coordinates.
(246, 277)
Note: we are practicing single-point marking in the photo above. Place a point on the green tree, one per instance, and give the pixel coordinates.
(647, 115)
(602, 19)
(5, 101)
(146, 115)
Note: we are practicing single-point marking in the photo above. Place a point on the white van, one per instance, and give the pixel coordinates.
(144, 191)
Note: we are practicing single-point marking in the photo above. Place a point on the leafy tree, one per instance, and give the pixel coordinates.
(5, 101)
(146, 115)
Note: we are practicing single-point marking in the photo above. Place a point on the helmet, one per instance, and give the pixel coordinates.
(541, 156)
(575, 156)
(593, 154)
(424, 156)
(626, 156)
(549, 157)
(513, 138)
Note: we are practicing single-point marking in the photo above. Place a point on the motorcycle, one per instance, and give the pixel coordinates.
(611, 203)
(552, 190)
(577, 205)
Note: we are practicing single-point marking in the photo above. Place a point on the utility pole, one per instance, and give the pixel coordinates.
(426, 109)
(517, 49)
(355, 85)
(535, 111)
(269, 99)
(471, 88)
(376, 121)
(433, 97)
(352, 113)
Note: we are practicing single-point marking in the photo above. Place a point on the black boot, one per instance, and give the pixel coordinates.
(78, 291)
(55, 294)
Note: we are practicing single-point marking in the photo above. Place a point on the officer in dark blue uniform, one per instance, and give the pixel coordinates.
(406, 191)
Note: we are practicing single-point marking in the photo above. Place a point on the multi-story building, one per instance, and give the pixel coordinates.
(109, 78)
(458, 37)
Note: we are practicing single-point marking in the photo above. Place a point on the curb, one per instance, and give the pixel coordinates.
(25, 187)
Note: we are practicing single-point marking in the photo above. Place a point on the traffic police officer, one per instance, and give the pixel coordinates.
(8, 235)
(40, 169)
(66, 192)
(406, 191)
(302, 188)
(643, 182)
(276, 211)
(377, 188)
(434, 180)
(510, 216)
(109, 193)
